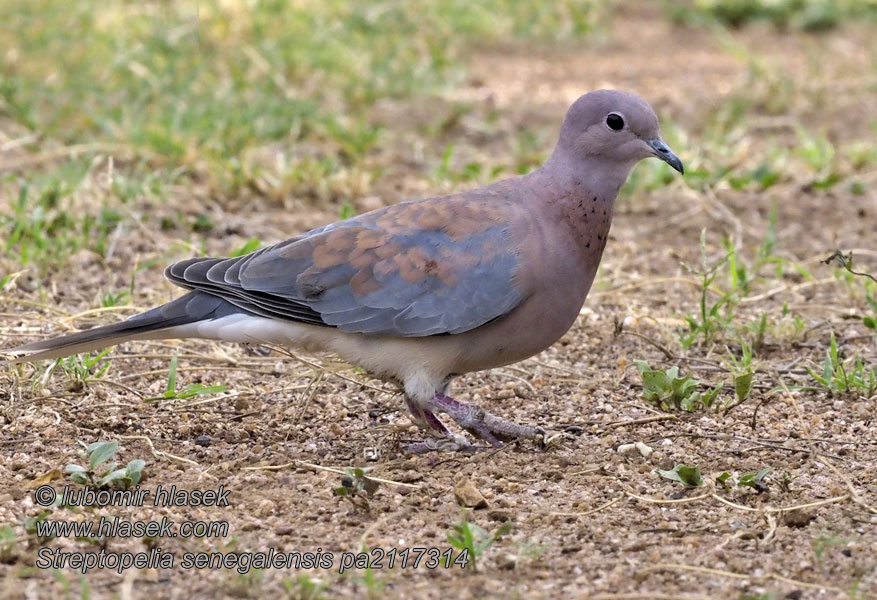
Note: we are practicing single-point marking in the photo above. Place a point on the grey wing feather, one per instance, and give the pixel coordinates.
(330, 277)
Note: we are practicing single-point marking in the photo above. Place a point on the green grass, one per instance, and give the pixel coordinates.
(270, 97)
(841, 376)
(808, 15)
(473, 541)
(189, 81)
(42, 228)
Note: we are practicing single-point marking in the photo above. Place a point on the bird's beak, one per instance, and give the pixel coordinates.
(663, 152)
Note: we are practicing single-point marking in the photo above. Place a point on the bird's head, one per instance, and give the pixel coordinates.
(613, 126)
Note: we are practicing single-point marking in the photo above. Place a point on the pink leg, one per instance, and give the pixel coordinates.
(481, 423)
(470, 417)
(425, 417)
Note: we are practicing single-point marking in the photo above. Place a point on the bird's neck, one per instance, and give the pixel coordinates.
(582, 198)
(598, 177)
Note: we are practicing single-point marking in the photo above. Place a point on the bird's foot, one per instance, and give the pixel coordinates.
(472, 418)
(482, 424)
(451, 443)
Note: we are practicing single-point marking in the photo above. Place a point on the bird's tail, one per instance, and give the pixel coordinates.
(162, 322)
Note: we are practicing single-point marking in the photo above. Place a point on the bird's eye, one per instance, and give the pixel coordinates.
(615, 122)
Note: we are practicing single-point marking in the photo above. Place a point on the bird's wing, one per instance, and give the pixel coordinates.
(435, 266)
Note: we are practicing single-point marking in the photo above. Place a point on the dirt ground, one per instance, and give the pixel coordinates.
(587, 521)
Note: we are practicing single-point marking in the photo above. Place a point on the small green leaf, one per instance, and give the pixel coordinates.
(642, 365)
(669, 391)
(101, 454)
(817, 377)
(655, 385)
(827, 367)
(691, 403)
(755, 480)
(75, 469)
(347, 211)
(116, 475)
(723, 478)
(709, 397)
(832, 350)
(197, 389)
(172, 376)
(250, 245)
(688, 476)
(743, 386)
(79, 478)
(134, 470)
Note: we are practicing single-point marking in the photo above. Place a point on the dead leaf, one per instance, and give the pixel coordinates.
(47, 477)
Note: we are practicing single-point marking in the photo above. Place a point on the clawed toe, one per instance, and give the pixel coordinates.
(426, 418)
(470, 417)
(451, 443)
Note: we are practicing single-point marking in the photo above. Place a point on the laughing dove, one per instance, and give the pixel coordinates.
(420, 292)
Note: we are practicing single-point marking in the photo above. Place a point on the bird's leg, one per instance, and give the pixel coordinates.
(425, 417)
(468, 416)
(481, 423)
(447, 442)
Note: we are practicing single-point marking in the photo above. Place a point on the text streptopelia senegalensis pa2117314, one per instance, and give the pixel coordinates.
(421, 291)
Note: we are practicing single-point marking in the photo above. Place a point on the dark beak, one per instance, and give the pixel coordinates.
(663, 152)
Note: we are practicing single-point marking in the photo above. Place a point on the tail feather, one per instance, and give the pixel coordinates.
(156, 323)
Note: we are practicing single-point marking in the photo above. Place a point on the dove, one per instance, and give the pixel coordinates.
(420, 292)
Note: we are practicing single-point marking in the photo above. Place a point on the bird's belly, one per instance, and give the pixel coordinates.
(530, 329)
(391, 358)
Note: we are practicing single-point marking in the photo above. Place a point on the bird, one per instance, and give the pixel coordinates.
(423, 291)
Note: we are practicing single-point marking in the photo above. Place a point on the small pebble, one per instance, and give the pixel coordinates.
(468, 495)
(798, 518)
(626, 449)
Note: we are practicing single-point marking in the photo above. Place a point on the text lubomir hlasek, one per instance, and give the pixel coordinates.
(161, 496)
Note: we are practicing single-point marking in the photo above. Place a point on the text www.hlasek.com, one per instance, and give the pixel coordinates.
(116, 527)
